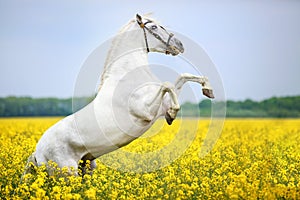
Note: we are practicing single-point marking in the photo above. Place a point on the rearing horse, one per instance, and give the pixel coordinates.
(129, 100)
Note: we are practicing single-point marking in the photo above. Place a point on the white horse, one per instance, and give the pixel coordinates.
(129, 100)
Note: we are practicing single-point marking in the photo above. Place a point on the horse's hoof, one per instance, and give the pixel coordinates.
(208, 93)
(169, 119)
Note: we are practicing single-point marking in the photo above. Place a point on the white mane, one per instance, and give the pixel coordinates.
(115, 42)
(110, 51)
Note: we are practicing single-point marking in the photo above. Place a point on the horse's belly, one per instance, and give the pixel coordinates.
(103, 129)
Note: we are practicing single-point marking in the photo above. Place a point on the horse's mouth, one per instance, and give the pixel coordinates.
(174, 51)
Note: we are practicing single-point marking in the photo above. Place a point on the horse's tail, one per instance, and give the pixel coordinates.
(30, 167)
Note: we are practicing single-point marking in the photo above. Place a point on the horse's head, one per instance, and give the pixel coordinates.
(158, 39)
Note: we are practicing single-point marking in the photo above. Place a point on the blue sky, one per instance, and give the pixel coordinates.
(254, 45)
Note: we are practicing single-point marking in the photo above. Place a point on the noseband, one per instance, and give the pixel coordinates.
(144, 27)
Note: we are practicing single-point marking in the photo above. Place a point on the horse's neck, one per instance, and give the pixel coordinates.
(126, 54)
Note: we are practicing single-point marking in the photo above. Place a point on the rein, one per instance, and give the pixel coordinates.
(144, 27)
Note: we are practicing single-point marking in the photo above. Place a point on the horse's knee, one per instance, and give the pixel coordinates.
(186, 75)
(167, 87)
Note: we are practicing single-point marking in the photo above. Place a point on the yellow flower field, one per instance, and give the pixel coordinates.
(253, 159)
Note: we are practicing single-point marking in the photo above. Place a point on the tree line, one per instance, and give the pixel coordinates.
(278, 107)
(27, 106)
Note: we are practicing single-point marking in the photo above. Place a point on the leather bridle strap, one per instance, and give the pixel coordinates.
(144, 27)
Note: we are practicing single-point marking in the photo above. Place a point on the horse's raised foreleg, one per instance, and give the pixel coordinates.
(146, 107)
(183, 78)
(172, 110)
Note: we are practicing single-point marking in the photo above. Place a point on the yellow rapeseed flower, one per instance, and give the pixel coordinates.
(253, 159)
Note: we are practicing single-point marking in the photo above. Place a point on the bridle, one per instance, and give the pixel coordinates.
(144, 27)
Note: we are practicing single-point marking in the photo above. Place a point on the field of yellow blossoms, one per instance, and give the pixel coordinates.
(253, 159)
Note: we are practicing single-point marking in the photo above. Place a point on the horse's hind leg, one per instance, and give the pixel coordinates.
(83, 165)
(183, 78)
(31, 163)
(30, 166)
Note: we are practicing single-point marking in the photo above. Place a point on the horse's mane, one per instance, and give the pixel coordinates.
(125, 28)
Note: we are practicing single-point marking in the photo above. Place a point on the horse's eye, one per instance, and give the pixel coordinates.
(153, 27)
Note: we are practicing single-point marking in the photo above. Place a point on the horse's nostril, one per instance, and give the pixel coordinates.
(179, 43)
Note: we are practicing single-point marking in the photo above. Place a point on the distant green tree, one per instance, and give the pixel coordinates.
(273, 107)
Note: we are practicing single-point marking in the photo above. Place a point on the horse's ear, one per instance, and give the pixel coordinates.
(139, 19)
